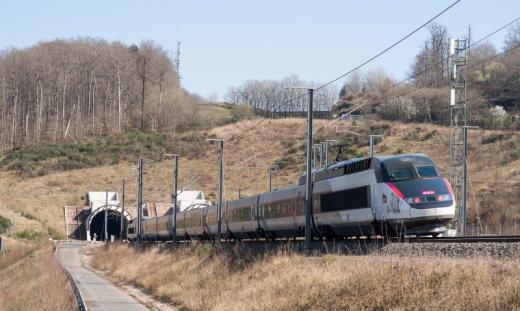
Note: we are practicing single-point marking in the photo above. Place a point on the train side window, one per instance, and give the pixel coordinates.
(346, 200)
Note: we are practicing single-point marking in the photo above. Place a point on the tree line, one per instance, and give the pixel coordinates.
(279, 98)
(493, 91)
(67, 89)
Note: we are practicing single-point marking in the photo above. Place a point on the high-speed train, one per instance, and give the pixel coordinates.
(390, 195)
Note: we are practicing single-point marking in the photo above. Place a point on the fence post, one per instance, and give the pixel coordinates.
(486, 229)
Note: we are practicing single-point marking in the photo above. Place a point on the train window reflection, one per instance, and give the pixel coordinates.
(409, 167)
(427, 171)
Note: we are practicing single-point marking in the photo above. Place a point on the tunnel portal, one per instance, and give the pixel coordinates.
(97, 225)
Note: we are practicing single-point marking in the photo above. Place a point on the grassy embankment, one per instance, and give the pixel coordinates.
(32, 279)
(202, 278)
(71, 169)
(30, 276)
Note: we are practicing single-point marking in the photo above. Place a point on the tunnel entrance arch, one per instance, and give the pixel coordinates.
(95, 223)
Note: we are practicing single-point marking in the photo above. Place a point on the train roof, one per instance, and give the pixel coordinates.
(353, 160)
(352, 166)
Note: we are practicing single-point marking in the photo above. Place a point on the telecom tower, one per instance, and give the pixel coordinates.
(458, 118)
(178, 59)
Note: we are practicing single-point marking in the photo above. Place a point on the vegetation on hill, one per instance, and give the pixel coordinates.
(493, 92)
(5, 224)
(493, 165)
(32, 279)
(70, 89)
(41, 159)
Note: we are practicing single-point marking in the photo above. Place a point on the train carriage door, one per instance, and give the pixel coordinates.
(316, 210)
(225, 216)
(204, 221)
(373, 200)
(252, 216)
(257, 214)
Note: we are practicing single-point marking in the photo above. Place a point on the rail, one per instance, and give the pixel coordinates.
(467, 239)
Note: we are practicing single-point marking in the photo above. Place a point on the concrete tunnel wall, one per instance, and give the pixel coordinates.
(95, 222)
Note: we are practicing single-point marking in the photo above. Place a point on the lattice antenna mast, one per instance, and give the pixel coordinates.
(458, 116)
(178, 59)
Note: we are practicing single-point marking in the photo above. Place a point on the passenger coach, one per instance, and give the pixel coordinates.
(383, 195)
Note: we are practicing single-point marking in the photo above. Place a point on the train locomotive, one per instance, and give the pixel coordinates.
(393, 195)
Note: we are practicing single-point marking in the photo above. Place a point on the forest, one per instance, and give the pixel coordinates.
(70, 89)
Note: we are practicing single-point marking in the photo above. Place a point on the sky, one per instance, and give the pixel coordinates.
(227, 42)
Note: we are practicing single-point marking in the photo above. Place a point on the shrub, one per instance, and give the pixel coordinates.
(286, 161)
(29, 235)
(430, 135)
(413, 134)
(494, 137)
(242, 112)
(28, 215)
(55, 234)
(42, 171)
(5, 224)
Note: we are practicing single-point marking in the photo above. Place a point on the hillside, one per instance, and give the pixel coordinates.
(101, 162)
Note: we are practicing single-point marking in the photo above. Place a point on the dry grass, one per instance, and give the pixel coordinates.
(16, 250)
(493, 168)
(201, 278)
(35, 282)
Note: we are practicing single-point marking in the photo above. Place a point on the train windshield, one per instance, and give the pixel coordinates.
(408, 167)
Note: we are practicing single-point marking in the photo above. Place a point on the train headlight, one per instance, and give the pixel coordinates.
(416, 200)
(443, 197)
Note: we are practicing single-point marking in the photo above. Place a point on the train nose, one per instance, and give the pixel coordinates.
(426, 193)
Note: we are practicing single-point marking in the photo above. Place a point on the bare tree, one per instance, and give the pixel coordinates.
(74, 88)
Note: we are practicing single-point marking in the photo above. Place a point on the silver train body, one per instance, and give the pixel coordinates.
(382, 195)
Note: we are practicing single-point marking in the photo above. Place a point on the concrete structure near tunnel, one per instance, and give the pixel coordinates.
(82, 222)
(87, 222)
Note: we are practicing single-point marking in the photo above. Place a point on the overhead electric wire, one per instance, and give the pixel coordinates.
(415, 75)
(398, 83)
(385, 50)
(432, 66)
(364, 63)
(468, 67)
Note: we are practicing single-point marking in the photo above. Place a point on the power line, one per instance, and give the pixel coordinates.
(393, 45)
(362, 64)
(383, 51)
(398, 83)
(435, 65)
(408, 78)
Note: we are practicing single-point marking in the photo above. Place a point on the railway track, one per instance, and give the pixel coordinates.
(498, 247)
(371, 240)
(467, 239)
(355, 246)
